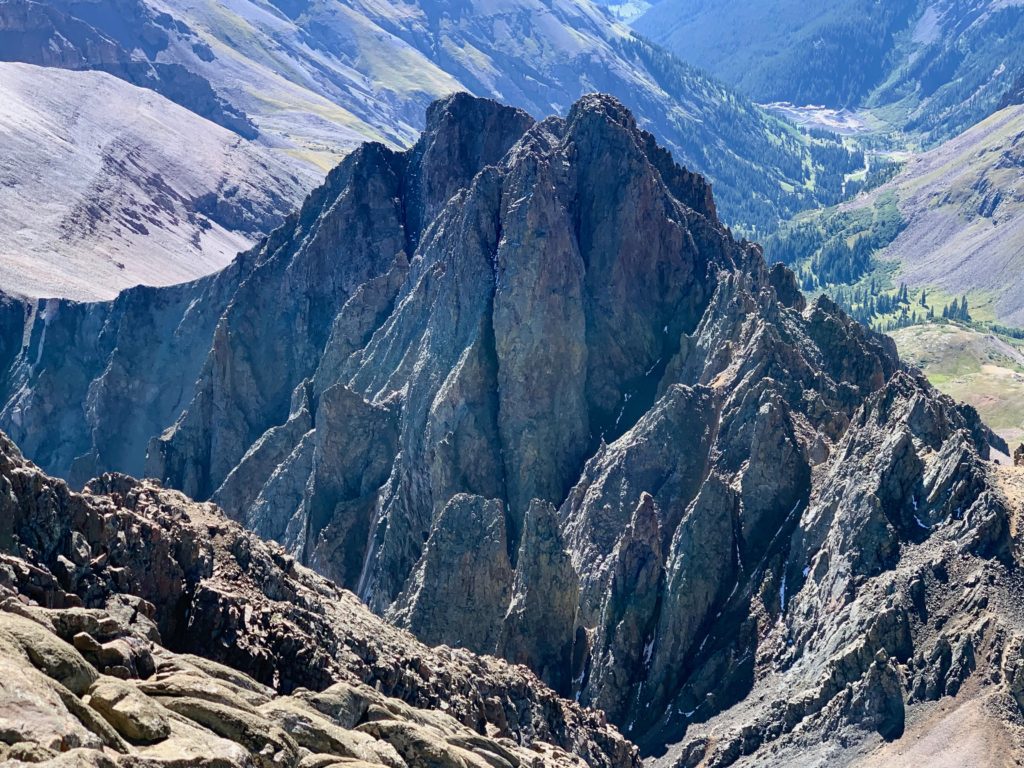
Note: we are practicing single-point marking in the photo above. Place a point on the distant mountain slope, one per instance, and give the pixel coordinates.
(933, 68)
(50, 35)
(960, 63)
(314, 78)
(104, 185)
(952, 220)
(109, 187)
(384, 61)
(319, 77)
(830, 53)
(962, 204)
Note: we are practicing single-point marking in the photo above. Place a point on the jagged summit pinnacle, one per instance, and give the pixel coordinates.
(464, 107)
(528, 357)
(476, 129)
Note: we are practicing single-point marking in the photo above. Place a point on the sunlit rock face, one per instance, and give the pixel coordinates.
(521, 390)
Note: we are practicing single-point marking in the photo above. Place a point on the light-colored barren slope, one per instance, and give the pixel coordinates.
(94, 168)
(962, 204)
(104, 185)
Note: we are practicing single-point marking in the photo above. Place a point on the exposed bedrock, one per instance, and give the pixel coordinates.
(521, 390)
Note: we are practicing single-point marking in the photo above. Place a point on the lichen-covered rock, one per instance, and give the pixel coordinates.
(312, 731)
(47, 653)
(270, 744)
(134, 715)
(33, 709)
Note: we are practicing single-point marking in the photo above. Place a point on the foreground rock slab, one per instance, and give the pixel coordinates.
(138, 628)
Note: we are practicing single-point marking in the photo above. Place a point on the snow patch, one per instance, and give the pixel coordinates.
(49, 312)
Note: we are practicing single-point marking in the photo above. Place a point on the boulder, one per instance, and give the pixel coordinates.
(134, 715)
(269, 744)
(315, 732)
(48, 653)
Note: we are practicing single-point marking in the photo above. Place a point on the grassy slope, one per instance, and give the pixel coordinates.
(982, 369)
(958, 226)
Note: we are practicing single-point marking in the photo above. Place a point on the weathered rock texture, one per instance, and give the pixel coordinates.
(140, 628)
(522, 391)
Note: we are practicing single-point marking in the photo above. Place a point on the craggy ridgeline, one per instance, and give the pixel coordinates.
(521, 391)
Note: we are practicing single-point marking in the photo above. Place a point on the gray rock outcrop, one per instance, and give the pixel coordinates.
(522, 391)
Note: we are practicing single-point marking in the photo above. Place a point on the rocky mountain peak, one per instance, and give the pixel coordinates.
(521, 390)
(596, 117)
(463, 134)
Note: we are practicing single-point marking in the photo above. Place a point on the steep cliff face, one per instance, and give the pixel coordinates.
(521, 390)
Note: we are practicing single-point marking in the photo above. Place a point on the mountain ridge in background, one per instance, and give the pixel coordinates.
(305, 83)
(931, 69)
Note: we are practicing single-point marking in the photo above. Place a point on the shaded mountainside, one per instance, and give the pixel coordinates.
(521, 390)
(931, 68)
(150, 630)
(785, 50)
